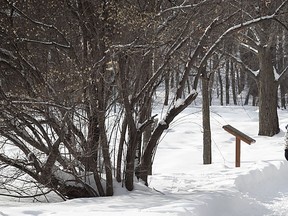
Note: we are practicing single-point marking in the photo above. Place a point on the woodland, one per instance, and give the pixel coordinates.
(79, 78)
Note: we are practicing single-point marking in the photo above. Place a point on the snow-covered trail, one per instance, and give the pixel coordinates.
(186, 196)
(258, 187)
(182, 186)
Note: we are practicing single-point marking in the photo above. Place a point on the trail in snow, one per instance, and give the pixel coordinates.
(182, 186)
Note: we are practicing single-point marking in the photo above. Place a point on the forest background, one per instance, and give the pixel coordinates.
(79, 80)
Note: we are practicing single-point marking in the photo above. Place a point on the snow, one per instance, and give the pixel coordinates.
(179, 102)
(276, 75)
(181, 185)
(249, 48)
(162, 122)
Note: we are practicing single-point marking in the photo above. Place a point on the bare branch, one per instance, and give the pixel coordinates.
(47, 43)
(253, 73)
(283, 74)
(12, 5)
(238, 27)
(45, 103)
(27, 196)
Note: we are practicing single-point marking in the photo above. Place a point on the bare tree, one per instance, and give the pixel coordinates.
(86, 73)
(259, 40)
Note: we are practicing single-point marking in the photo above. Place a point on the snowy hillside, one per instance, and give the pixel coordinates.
(181, 185)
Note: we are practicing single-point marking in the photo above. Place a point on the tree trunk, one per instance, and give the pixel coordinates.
(220, 86)
(227, 84)
(233, 83)
(91, 150)
(167, 89)
(207, 156)
(130, 158)
(147, 156)
(120, 150)
(241, 81)
(106, 156)
(247, 97)
(268, 116)
(211, 83)
(282, 94)
(104, 140)
(147, 134)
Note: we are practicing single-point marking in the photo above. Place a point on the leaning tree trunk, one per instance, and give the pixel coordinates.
(268, 116)
(147, 156)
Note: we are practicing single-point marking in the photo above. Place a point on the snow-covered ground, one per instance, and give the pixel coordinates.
(182, 185)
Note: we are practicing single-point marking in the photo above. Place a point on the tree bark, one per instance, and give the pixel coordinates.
(146, 160)
(233, 82)
(130, 158)
(207, 155)
(167, 89)
(120, 149)
(282, 95)
(227, 83)
(268, 116)
(220, 86)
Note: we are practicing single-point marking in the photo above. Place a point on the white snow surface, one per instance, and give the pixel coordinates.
(181, 185)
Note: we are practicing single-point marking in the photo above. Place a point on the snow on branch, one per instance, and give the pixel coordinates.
(179, 105)
(183, 5)
(141, 127)
(281, 75)
(44, 42)
(238, 27)
(255, 73)
(249, 48)
(276, 75)
(163, 124)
